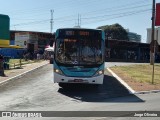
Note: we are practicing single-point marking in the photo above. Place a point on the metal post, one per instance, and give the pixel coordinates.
(154, 57)
(152, 51)
(20, 62)
(152, 35)
(1, 66)
(153, 65)
(51, 20)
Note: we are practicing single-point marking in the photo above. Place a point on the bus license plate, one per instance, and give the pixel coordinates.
(78, 80)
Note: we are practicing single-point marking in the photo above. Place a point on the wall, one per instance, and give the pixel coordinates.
(4, 30)
(149, 32)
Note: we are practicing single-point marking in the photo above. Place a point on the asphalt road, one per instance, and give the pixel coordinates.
(36, 92)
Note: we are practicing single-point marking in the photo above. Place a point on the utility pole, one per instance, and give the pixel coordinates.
(51, 21)
(78, 20)
(152, 35)
(78, 25)
(153, 42)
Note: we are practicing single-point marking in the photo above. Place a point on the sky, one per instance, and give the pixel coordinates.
(35, 15)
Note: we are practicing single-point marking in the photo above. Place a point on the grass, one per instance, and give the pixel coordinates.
(16, 62)
(139, 73)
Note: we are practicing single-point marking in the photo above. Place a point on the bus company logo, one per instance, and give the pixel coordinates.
(21, 114)
(6, 114)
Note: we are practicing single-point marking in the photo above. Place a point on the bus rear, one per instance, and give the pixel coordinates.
(79, 56)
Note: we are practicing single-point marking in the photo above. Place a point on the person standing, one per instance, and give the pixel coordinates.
(1, 65)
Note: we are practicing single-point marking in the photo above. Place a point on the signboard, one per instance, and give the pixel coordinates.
(154, 46)
(33, 39)
(82, 33)
(157, 22)
(21, 39)
(24, 38)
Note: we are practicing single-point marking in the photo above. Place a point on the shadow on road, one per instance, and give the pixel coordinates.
(110, 91)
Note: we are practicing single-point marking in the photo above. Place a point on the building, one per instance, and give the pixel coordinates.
(128, 51)
(5, 32)
(134, 37)
(156, 35)
(27, 40)
(31, 40)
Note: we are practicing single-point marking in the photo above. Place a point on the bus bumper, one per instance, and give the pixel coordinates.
(86, 80)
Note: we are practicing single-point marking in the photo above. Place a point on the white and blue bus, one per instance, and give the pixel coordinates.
(79, 56)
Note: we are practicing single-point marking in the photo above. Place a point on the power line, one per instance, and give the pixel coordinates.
(96, 17)
(107, 15)
(99, 17)
(121, 9)
(119, 16)
(65, 5)
(28, 23)
(87, 3)
(40, 8)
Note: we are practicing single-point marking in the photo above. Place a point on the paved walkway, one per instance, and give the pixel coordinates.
(12, 73)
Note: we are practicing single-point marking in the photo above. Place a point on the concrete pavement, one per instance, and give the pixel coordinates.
(17, 73)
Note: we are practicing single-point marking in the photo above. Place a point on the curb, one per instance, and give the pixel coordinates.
(130, 90)
(20, 75)
(146, 92)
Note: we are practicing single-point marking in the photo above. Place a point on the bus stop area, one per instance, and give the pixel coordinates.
(127, 51)
(15, 73)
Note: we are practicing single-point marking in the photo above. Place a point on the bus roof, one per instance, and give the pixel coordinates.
(79, 29)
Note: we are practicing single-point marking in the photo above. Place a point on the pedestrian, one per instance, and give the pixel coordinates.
(2, 66)
(38, 56)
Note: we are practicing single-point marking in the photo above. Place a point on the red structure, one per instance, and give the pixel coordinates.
(157, 22)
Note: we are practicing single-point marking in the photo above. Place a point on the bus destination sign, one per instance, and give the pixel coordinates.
(81, 33)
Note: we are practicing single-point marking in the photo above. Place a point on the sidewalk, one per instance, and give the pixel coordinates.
(14, 73)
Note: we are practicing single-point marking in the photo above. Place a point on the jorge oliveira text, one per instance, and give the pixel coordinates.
(146, 114)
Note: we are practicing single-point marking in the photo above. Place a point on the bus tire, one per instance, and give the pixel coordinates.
(96, 86)
(63, 85)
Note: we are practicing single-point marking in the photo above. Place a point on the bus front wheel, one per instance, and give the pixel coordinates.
(63, 85)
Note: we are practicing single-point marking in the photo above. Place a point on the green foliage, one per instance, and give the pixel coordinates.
(115, 31)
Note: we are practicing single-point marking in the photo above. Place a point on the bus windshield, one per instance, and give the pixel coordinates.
(81, 51)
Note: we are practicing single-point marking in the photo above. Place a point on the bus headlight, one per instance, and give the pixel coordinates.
(58, 71)
(100, 72)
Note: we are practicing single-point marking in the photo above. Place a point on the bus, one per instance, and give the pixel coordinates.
(79, 56)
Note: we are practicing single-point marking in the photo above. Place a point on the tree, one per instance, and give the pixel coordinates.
(115, 31)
